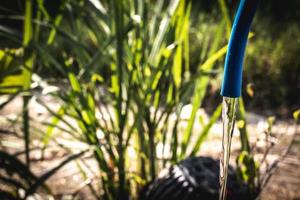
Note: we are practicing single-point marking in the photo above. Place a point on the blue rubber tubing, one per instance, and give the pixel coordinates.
(233, 69)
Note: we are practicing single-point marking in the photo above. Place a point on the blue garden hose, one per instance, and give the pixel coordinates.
(232, 80)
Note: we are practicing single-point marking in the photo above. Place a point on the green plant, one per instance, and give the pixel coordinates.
(126, 71)
(129, 95)
(17, 76)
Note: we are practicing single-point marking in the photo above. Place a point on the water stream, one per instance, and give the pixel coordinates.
(228, 117)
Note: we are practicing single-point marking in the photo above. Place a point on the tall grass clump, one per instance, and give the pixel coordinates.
(125, 76)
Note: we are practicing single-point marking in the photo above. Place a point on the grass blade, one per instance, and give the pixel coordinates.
(205, 131)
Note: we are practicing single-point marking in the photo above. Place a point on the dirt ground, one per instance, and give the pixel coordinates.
(284, 184)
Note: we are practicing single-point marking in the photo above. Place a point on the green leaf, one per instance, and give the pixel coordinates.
(296, 115)
(74, 83)
(241, 117)
(226, 17)
(249, 89)
(214, 118)
(177, 67)
(164, 25)
(86, 117)
(52, 34)
(55, 120)
(27, 35)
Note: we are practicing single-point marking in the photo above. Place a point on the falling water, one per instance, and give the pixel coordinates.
(228, 116)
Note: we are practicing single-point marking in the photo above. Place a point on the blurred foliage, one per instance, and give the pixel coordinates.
(271, 53)
(125, 67)
(274, 67)
(272, 63)
(296, 115)
(128, 68)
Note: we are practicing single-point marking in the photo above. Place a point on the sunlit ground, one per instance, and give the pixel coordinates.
(281, 144)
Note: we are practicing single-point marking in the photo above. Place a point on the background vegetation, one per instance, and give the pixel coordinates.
(122, 73)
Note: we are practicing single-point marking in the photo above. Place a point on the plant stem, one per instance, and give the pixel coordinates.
(152, 152)
(25, 116)
(118, 9)
(243, 130)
